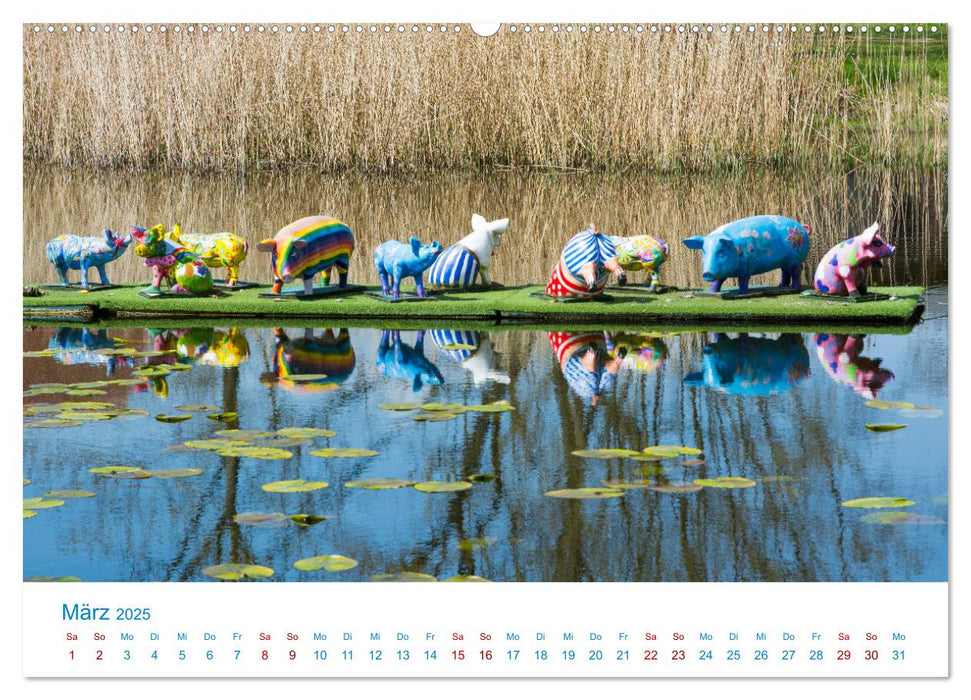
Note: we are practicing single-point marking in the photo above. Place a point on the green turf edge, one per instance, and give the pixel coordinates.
(508, 304)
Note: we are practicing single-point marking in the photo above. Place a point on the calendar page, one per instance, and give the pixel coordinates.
(553, 349)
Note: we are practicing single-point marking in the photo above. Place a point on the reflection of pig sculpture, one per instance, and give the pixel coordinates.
(645, 352)
(753, 366)
(83, 344)
(400, 361)
(752, 246)
(215, 250)
(641, 253)
(474, 351)
(172, 262)
(308, 246)
(840, 356)
(588, 361)
(459, 265)
(79, 253)
(842, 271)
(328, 353)
(395, 260)
(584, 266)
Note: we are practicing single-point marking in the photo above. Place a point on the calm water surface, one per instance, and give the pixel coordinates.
(777, 408)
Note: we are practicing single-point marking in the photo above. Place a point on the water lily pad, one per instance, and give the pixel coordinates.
(226, 417)
(175, 473)
(497, 407)
(878, 502)
(307, 520)
(606, 453)
(691, 462)
(38, 503)
(161, 418)
(152, 372)
(475, 543)
(114, 352)
(883, 427)
(481, 478)
(26, 481)
(327, 562)
(442, 486)
(85, 405)
(51, 385)
(887, 405)
(41, 409)
(726, 482)
(52, 423)
(45, 392)
(306, 377)
(134, 381)
(52, 579)
(278, 442)
(445, 407)
(197, 408)
(899, 517)
(585, 493)
(120, 472)
(261, 519)
(255, 452)
(436, 417)
(149, 353)
(243, 437)
(305, 433)
(405, 577)
(622, 484)
(215, 444)
(459, 346)
(29, 513)
(467, 578)
(69, 494)
(235, 572)
(663, 452)
(126, 413)
(676, 488)
(398, 406)
(85, 415)
(294, 486)
(344, 452)
(180, 448)
(379, 484)
(921, 412)
(681, 449)
(85, 392)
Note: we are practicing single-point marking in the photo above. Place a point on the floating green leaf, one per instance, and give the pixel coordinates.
(878, 502)
(197, 408)
(305, 432)
(26, 481)
(134, 381)
(69, 494)
(85, 405)
(255, 452)
(52, 423)
(606, 453)
(152, 372)
(663, 451)
(466, 578)
(899, 517)
(294, 486)
(226, 417)
(149, 353)
(921, 412)
(446, 407)
(585, 493)
(405, 577)
(442, 486)
(130, 413)
(89, 385)
(495, 407)
(622, 484)
(726, 482)
(38, 503)
(50, 352)
(215, 444)
(41, 409)
(50, 385)
(474, 543)
(306, 377)
(244, 436)
(883, 427)
(86, 392)
(171, 419)
(379, 484)
(459, 346)
(109, 352)
(691, 462)
(184, 449)
(261, 519)
(119, 472)
(676, 488)
(277, 442)
(886, 405)
(308, 520)
(438, 417)
(52, 579)
(481, 478)
(398, 406)
(175, 473)
(235, 572)
(85, 415)
(344, 452)
(327, 562)
(29, 513)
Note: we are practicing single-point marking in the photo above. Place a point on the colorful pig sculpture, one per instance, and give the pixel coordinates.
(752, 246)
(400, 361)
(459, 265)
(395, 260)
(584, 266)
(842, 271)
(840, 357)
(308, 246)
(82, 253)
(328, 353)
(215, 250)
(170, 261)
(641, 253)
(747, 366)
(589, 362)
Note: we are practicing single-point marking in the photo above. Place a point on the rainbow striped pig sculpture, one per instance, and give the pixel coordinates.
(215, 250)
(180, 267)
(312, 245)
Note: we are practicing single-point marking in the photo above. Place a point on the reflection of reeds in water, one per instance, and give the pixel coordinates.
(544, 210)
(415, 100)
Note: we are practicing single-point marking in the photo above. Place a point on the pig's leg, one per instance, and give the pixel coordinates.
(716, 286)
(232, 275)
(589, 274)
(342, 278)
(383, 276)
(786, 278)
(861, 280)
(795, 275)
(101, 272)
(614, 267)
(396, 283)
(419, 286)
(743, 284)
(62, 273)
(655, 279)
(484, 274)
(848, 275)
(308, 285)
(84, 274)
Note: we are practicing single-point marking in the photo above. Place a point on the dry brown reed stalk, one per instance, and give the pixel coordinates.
(662, 101)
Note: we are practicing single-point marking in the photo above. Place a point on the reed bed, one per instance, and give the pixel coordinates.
(444, 100)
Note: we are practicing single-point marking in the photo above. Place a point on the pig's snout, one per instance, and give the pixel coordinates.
(708, 277)
(287, 279)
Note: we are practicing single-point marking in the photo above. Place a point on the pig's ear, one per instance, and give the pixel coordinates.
(868, 235)
(499, 225)
(266, 246)
(300, 243)
(415, 245)
(478, 221)
(695, 242)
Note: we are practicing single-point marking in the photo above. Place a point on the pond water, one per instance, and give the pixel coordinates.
(784, 410)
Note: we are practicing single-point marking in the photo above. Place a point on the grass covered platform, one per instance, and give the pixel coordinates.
(505, 305)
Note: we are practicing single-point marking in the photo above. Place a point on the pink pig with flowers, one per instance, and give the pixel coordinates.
(842, 271)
